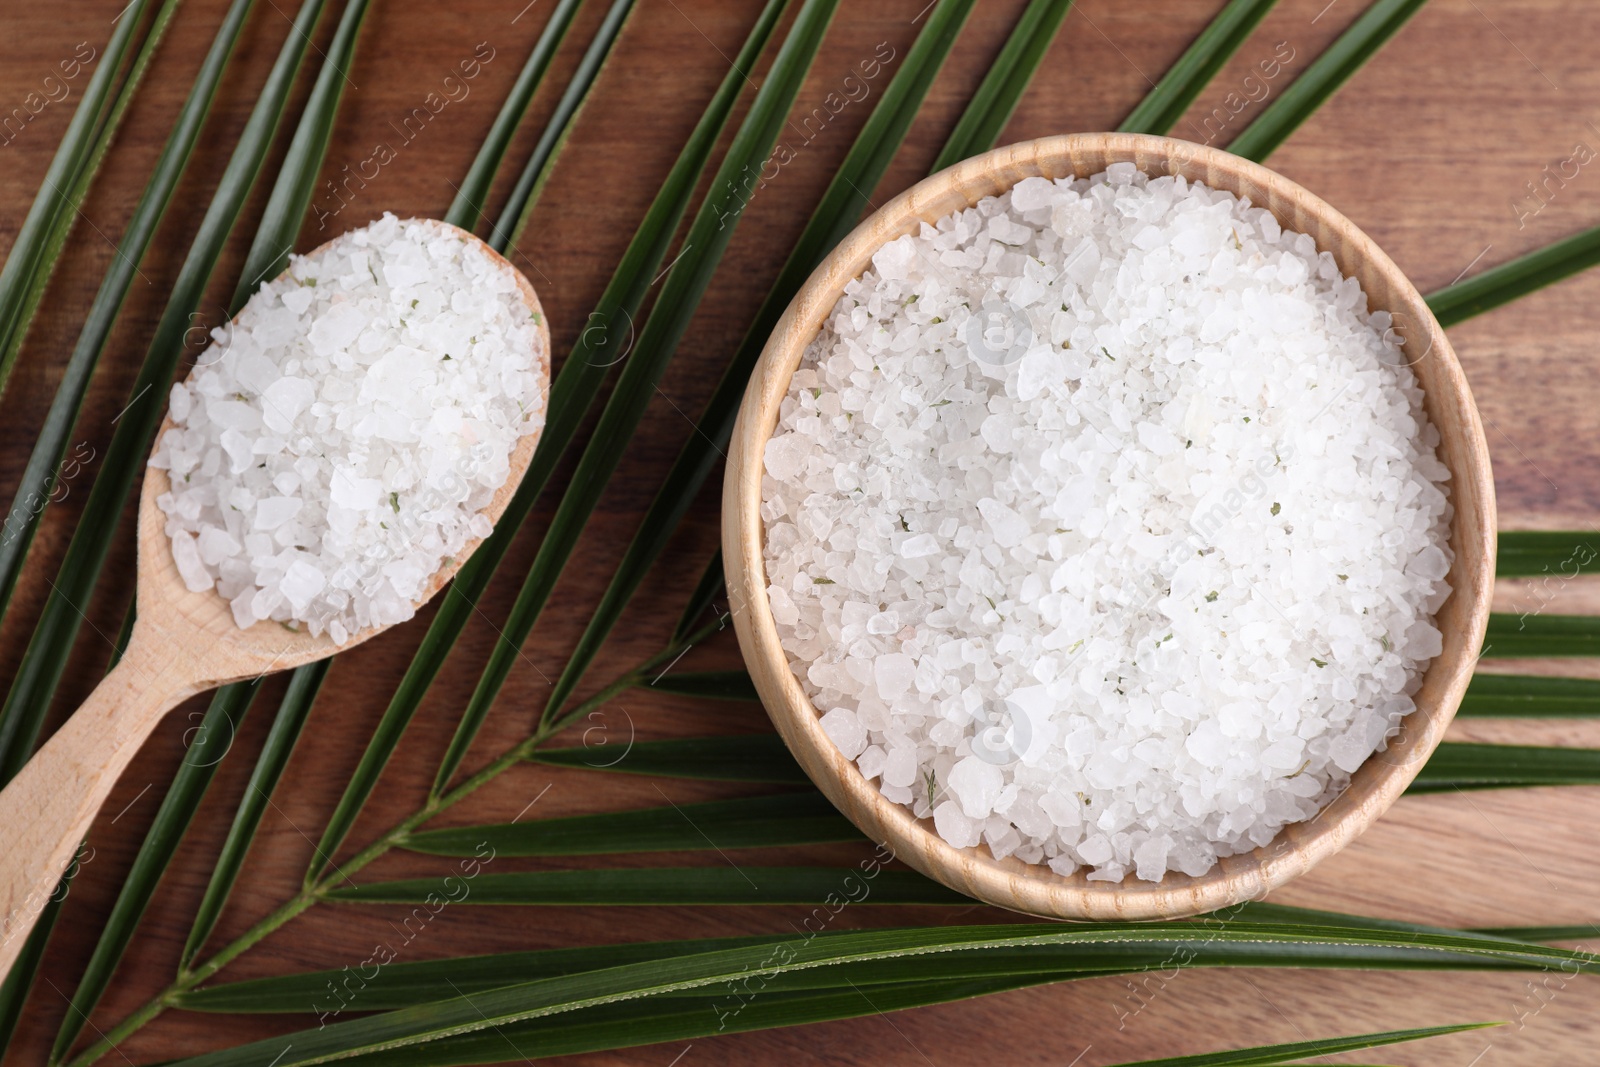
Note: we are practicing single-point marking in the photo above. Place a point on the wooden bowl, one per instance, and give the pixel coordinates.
(1035, 889)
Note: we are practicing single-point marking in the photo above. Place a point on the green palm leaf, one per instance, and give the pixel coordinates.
(1533, 635)
(1272, 1055)
(31, 261)
(711, 584)
(530, 183)
(1537, 553)
(269, 254)
(1531, 697)
(45, 659)
(212, 739)
(652, 886)
(649, 1020)
(1578, 932)
(48, 462)
(473, 191)
(297, 993)
(990, 108)
(753, 822)
(548, 997)
(836, 213)
(290, 198)
(275, 752)
(1164, 105)
(406, 984)
(571, 395)
(1502, 284)
(742, 758)
(1455, 765)
(1323, 78)
(677, 1018)
(89, 169)
(707, 685)
(1260, 912)
(713, 227)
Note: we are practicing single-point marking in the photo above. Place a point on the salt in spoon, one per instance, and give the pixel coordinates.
(183, 643)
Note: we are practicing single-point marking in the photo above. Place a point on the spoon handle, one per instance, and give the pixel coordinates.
(45, 811)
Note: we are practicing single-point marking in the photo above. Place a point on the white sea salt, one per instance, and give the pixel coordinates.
(338, 442)
(1104, 525)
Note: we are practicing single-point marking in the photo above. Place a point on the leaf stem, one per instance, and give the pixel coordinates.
(187, 979)
(637, 676)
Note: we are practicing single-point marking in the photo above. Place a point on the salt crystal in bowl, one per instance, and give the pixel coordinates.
(1033, 887)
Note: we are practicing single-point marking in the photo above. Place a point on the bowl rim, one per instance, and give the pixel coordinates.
(1035, 889)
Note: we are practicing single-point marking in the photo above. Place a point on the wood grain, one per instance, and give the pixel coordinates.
(1425, 150)
(1033, 888)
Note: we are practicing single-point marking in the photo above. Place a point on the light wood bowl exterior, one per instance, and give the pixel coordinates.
(1035, 889)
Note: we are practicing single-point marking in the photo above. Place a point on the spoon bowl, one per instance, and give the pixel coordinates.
(183, 643)
(1035, 889)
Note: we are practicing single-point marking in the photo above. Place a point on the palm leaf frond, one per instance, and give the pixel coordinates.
(1457, 765)
(32, 257)
(1273, 1055)
(291, 194)
(740, 758)
(752, 822)
(707, 685)
(549, 997)
(46, 656)
(1546, 553)
(686, 282)
(407, 984)
(1370, 32)
(743, 1009)
(473, 191)
(653, 886)
(649, 1020)
(836, 213)
(1525, 696)
(274, 757)
(1523, 275)
(1532, 635)
(990, 108)
(571, 395)
(1165, 104)
(48, 464)
(1578, 932)
(530, 182)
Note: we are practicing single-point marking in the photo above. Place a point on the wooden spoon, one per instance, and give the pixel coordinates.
(183, 643)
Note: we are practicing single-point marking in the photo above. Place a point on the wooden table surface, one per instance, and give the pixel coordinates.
(1429, 149)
